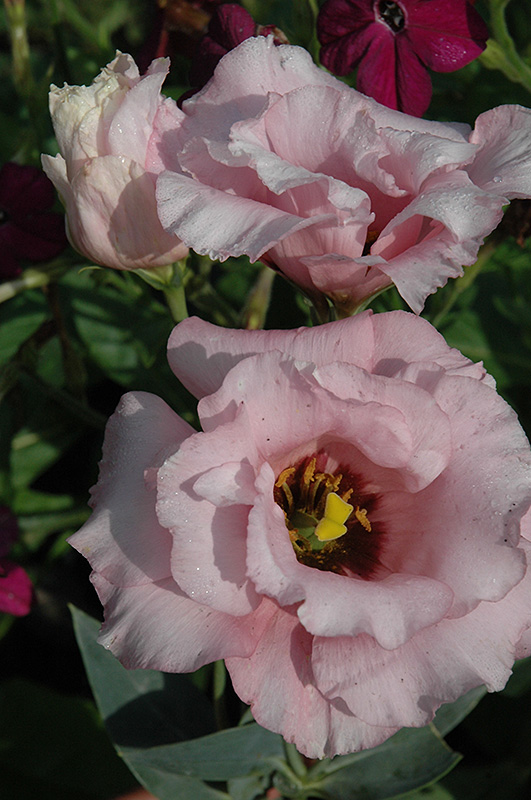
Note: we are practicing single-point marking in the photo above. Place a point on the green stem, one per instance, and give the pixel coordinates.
(295, 760)
(501, 52)
(176, 299)
(219, 681)
(257, 304)
(22, 73)
(464, 282)
(31, 278)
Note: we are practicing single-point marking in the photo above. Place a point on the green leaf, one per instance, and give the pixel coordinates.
(227, 754)
(451, 714)
(249, 787)
(142, 708)
(409, 760)
(54, 747)
(19, 319)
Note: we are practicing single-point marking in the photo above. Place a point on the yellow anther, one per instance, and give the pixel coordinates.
(336, 514)
(361, 516)
(284, 475)
(308, 472)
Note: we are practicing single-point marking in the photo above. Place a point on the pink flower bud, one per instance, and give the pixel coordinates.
(109, 137)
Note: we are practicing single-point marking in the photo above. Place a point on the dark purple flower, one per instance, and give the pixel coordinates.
(28, 229)
(392, 43)
(229, 26)
(16, 591)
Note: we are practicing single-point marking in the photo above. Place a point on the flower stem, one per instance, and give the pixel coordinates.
(31, 278)
(501, 52)
(464, 282)
(257, 304)
(176, 300)
(169, 281)
(295, 760)
(22, 72)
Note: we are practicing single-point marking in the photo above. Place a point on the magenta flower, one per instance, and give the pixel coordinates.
(28, 229)
(16, 591)
(350, 533)
(229, 26)
(392, 44)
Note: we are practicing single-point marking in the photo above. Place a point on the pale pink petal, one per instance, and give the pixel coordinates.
(396, 345)
(277, 681)
(503, 163)
(112, 215)
(406, 685)
(420, 432)
(257, 62)
(123, 539)
(132, 125)
(266, 410)
(207, 536)
(221, 224)
(82, 114)
(186, 635)
(466, 215)
(478, 563)
(346, 281)
(109, 133)
(201, 354)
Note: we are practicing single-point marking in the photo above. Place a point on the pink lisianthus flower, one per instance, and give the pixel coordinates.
(279, 160)
(347, 533)
(107, 165)
(394, 42)
(16, 590)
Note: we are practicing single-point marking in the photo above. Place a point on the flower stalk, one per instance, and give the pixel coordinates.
(501, 52)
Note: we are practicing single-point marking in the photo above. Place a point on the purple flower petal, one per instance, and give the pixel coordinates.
(447, 35)
(230, 25)
(16, 591)
(24, 190)
(37, 238)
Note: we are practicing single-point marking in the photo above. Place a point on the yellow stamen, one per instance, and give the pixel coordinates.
(284, 475)
(361, 516)
(308, 472)
(336, 514)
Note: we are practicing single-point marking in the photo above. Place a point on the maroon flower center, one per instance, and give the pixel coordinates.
(391, 13)
(310, 499)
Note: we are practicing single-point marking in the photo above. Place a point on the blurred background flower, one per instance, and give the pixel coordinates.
(16, 591)
(28, 228)
(229, 26)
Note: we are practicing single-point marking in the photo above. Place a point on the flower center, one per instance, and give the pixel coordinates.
(391, 13)
(327, 518)
(4, 216)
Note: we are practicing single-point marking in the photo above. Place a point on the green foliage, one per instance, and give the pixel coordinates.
(53, 746)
